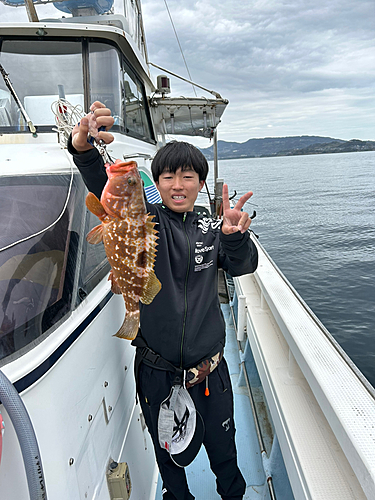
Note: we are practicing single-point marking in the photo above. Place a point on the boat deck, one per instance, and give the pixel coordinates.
(200, 478)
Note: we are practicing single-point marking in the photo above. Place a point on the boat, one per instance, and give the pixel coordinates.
(305, 414)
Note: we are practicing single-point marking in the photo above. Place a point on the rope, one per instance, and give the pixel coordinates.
(66, 117)
(178, 41)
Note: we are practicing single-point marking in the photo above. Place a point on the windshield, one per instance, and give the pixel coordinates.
(46, 265)
(36, 274)
(43, 70)
(36, 70)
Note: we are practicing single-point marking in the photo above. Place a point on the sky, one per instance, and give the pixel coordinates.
(287, 67)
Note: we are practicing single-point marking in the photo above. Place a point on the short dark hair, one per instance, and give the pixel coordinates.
(179, 154)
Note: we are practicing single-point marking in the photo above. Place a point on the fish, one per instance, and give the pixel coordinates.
(130, 239)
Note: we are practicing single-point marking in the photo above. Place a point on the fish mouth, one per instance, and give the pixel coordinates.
(121, 167)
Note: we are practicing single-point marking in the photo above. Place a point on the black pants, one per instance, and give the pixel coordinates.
(217, 412)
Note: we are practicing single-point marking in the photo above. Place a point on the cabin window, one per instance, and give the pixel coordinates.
(113, 82)
(39, 70)
(137, 120)
(61, 68)
(105, 79)
(37, 274)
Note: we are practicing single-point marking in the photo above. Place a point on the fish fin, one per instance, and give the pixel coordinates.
(129, 328)
(151, 289)
(114, 285)
(95, 236)
(150, 217)
(152, 234)
(150, 226)
(94, 205)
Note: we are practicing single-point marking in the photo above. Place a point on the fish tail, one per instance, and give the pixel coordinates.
(129, 328)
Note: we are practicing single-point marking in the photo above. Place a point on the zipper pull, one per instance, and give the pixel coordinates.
(207, 391)
(184, 218)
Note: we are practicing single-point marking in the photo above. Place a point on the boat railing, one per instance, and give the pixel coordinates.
(323, 329)
(322, 407)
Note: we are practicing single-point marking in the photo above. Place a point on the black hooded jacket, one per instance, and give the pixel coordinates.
(184, 322)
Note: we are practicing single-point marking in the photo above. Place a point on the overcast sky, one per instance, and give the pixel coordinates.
(287, 67)
(292, 67)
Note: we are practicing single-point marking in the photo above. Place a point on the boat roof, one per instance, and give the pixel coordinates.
(58, 29)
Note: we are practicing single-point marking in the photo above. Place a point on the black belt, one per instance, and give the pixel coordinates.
(144, 353)
(192, 376)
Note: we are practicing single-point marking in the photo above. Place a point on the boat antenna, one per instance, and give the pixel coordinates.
(178, 41)
(216, 94)
(8, 83)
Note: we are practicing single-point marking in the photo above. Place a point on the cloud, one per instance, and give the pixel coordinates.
(290, 67)
(18, 14)
(287, 67)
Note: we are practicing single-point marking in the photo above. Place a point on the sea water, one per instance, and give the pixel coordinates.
(316, 219)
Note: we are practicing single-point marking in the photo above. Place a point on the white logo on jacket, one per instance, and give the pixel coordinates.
(205, 265)
(199, 259)
(206, 223)
(204, 249)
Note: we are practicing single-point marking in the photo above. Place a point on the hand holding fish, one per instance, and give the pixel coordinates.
(233, 219)
(100, 116)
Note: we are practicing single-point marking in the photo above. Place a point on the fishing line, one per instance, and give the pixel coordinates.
(53, 223)
(178, 41)
(66, 116)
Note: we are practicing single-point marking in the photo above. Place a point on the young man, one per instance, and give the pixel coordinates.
(184, 325)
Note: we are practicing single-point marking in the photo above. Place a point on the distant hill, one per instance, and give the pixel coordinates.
(286, 146)
(332, 147)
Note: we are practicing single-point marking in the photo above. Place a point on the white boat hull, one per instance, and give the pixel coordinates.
(84, 412)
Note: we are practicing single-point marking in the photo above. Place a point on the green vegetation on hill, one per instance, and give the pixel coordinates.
(332, 147)
(287, 146)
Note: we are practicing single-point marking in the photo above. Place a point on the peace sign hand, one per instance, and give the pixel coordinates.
(233, 219)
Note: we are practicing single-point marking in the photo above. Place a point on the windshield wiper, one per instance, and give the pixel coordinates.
(8, 83)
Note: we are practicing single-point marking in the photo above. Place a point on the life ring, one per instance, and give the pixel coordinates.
(1, 435)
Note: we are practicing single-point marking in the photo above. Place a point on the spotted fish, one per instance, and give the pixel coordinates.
(129, 238)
